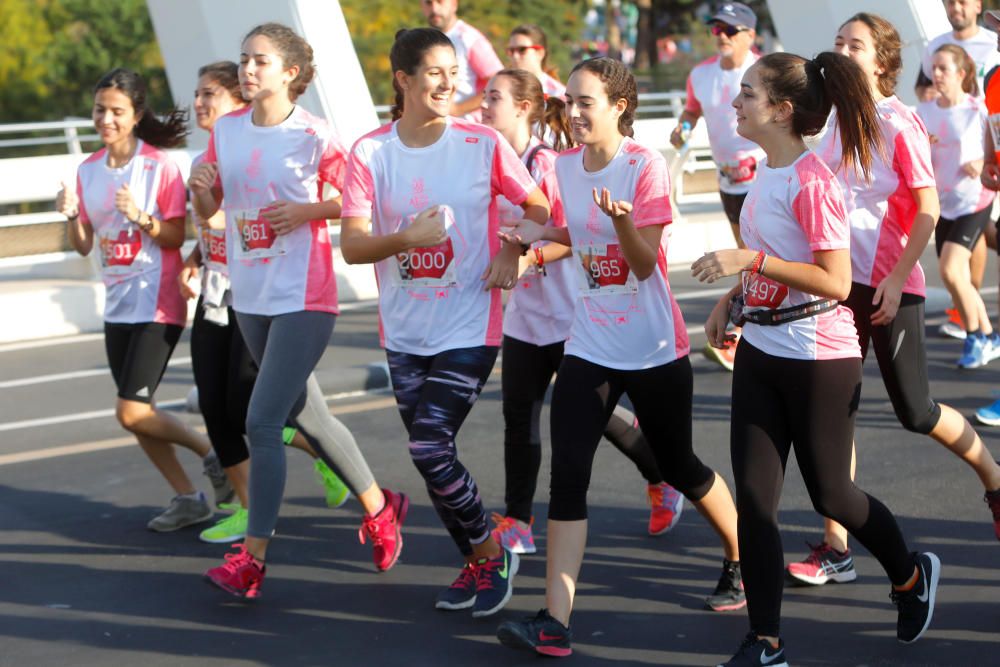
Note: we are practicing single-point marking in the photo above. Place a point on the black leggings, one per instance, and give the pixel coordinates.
(527, 371)
(224, 372)
(900, 350)
(778, 404)
(138, 355)
(584, 397)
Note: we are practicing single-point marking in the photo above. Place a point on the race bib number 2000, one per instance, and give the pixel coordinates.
(433, 266)
(604, 271)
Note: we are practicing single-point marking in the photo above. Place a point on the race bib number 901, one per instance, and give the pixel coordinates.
(118, 251)
(603, 270)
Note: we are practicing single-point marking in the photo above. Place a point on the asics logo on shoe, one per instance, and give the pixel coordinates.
(766, 659)
(545, 637)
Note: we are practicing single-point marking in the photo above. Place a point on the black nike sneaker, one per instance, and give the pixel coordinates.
(540, 633)
(916, 606)
(754, 652)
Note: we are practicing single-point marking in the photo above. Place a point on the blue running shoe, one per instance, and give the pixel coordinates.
(990, 415)
(973, 352)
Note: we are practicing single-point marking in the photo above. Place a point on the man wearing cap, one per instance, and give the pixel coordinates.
(978, 43)
(711, 88)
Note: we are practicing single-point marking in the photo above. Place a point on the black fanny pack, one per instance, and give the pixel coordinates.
(770, 317)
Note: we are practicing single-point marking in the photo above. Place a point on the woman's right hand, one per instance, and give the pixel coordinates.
(427, 229)
(990, 176)
(67, 203)
(203, 177)
(718, 321)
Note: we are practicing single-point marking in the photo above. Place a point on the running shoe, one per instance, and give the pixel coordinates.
(723, 357)
(241, 574)
(728, 595)
(384, 530)
(916, 606)
(989, 415)
(539, 633)
(494, 583)
(953, 328)
(183, 511)
(823, 564)
(462, 592)
(212, 469)
(992, 499)
(973, 352)
(229, 529)
(666, 505)
(754, 652)
(511, 536)
(336, 491)
(992, 347)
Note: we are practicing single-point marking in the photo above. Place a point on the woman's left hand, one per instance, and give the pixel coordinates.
(887, 297)
(721, 263)
(502, 271)
(612, 208)
(125, 204)
(285, 216)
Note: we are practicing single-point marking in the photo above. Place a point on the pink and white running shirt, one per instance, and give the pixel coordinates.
(432, 299)
(140, 277)
(540, 308)
(552, 87)
(882, 212)
(273, 274)
(792, 212)
(710, 92)
(477, 62)
(956, 135)
(619, 321)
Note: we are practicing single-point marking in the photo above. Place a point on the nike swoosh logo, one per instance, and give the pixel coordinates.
(543, 636)
(765, 659)
(899, 343)
(503, 572)
(927, 591)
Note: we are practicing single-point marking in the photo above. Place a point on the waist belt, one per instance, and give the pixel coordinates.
(784, 315)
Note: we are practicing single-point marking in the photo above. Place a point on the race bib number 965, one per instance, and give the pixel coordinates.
(604, 271)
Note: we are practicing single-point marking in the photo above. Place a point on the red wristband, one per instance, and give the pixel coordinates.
(757, 262)
(540, 260)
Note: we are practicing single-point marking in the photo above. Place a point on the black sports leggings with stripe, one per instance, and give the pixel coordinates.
(779, 404)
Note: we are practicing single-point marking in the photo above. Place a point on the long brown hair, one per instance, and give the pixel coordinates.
(407, 53)
(547, 114)
(812, 86)
(294, 51)
(965, 63)
(166, 132)
(887, 49)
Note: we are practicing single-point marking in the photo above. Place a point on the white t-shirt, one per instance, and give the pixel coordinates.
(477, 62)
(271, 274)
(619, 321)
(432, 299)
(982, 48)
(956, 135)
(710, 92)
(792, 212)
(140, 277)
(882, 211)
(552, 87)
(540, 308)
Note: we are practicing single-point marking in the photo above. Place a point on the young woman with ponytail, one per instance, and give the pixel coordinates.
(130, 202)
(797, 373)
(538, 317)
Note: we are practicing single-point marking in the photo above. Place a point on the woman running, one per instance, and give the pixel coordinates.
(427, 184)
(627, 337)
(528, 49)
(269, 161)
(130, 199)
(538, 317)
(797, 375)
(956, 123)
(224, 371)
(892, 217)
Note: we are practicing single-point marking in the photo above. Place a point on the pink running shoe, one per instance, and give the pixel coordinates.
(241, 575)
(823, 564)
(511, 536)
(666, 505)
(383, 530)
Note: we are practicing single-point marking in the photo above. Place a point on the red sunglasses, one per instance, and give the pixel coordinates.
(725, 28)
(521, 50)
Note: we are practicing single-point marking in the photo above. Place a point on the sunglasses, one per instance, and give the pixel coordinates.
(521, 50)
(725, 28)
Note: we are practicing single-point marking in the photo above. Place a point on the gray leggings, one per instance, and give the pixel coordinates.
(287, 348)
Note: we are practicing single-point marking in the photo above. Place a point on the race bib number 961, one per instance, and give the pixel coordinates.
(257, 239)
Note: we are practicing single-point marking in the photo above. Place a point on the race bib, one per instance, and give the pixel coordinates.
(761, 292)
(213, 249)
(256, 238)
(433, 266)
(741, 172)
(119, 250)
(604, 271)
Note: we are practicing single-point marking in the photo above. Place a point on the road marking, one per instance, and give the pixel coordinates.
(75, 375)
(47, 342)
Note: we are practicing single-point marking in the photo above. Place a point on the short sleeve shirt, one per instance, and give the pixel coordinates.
(477, 61)
(982, 48)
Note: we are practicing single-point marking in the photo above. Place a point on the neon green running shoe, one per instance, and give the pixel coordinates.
(230, 529)
(337, 492)
(288, 434)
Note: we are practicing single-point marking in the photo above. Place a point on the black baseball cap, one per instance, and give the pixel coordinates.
(735, 14)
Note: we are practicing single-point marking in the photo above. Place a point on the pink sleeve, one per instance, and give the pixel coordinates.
(544, 173)
(172, 197)
(333, 162)
(651, 204)
(692, 104)
(820, 211)
(483, 61)
(359, 189)
(84, 218)
(510, 178)
(912, 157)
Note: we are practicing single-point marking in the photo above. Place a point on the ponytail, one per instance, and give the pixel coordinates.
(555, 125)
(168, 132)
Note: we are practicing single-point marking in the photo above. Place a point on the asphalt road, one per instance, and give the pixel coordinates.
(84, 583)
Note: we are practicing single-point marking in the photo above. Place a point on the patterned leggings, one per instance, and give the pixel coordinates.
(434, 395)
